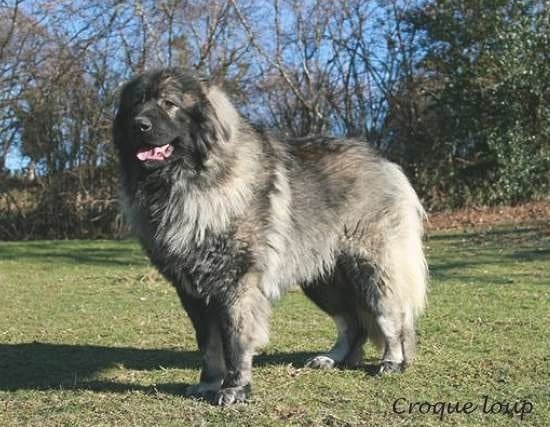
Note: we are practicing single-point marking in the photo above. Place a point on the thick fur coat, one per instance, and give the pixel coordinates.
(234, 217)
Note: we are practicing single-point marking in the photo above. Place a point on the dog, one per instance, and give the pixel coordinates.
(233, 217)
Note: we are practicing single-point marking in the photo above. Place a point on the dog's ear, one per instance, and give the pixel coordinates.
(119, 114)
(225, 116)
(221, 120)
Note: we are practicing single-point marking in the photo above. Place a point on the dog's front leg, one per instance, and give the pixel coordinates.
(244, 327)
(206, 323)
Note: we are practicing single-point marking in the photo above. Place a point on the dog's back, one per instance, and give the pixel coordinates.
(348, 227)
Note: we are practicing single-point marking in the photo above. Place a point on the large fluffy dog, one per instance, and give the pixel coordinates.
(233, 217)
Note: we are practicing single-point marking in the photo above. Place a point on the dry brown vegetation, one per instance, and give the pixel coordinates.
(531, 213)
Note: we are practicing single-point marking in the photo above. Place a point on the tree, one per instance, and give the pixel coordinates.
(482, 84)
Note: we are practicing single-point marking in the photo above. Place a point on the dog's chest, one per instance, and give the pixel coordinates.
(195, 248)
(207, 268)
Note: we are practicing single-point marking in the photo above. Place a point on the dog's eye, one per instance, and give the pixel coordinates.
(167, 104)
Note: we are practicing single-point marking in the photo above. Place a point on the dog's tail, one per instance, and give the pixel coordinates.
(409, 269)
(405, 263)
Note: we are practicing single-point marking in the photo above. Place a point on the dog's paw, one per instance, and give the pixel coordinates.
(204, 391)
(231, 395)
(321, 362)
(389, 367)
(353, 360)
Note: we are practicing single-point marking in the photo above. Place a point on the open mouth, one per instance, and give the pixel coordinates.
(158, 153)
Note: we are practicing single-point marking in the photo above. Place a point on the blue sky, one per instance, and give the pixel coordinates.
(14, 160)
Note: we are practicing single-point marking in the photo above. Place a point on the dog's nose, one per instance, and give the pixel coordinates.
(143, 124)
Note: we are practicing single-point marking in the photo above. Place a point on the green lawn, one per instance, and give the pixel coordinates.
(90, 335)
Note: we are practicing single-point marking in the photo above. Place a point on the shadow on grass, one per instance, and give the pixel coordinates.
(44, 366)
(489, 234)
(539, 254)
(74, 252)
(518, 245)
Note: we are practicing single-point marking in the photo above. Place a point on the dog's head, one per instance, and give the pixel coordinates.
(169, 115)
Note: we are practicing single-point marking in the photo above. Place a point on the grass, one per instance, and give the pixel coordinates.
(89, 335)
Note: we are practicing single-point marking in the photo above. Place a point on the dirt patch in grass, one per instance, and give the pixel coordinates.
(478, 217)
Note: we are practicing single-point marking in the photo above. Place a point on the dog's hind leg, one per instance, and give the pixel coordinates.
(393, 283)
(393, 331)
(347, 351)
(335, 296)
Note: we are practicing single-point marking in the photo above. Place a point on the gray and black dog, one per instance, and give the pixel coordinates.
(234, 217)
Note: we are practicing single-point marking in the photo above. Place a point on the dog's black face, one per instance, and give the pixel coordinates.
(165, 117)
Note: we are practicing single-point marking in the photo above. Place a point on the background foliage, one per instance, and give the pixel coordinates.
(457, 92)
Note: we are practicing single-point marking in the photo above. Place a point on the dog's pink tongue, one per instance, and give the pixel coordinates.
(155, 153)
